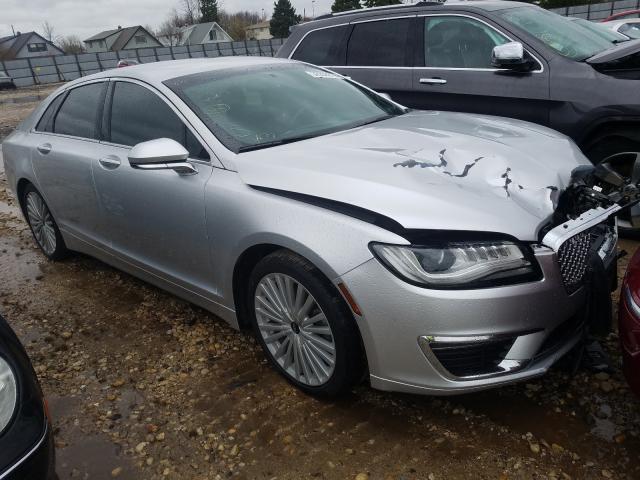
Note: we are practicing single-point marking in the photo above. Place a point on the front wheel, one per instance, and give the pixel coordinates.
(305, 328)
(621, 153)
(43, 226)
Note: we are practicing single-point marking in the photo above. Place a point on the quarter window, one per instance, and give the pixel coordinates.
(79, 112)
(459, 42)
(46, 121)
(139, 115)
(323, 47)
(383, 43)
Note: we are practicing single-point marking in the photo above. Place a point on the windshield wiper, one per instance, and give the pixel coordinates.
(275, 143)
(284, 141)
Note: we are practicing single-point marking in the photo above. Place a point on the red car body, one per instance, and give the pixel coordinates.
(629, 323)
(621, 15)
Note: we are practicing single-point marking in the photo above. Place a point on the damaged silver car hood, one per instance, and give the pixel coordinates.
(430, 170)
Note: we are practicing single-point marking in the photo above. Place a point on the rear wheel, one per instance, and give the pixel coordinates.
(43, 226)
(303, 325)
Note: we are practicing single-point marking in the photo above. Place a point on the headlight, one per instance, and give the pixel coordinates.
(459, 264)
(8, 394)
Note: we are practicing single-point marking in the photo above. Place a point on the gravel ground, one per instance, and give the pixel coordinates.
(143, 385)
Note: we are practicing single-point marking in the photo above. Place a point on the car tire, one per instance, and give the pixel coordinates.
(42, 224)
(620, 152)
(299, 318)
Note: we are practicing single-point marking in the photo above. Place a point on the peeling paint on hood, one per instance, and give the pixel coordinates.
(430, 170)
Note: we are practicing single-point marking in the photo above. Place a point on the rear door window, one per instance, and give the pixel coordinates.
(324, 47)
(139, 115)
(381, 43)
(79, 113)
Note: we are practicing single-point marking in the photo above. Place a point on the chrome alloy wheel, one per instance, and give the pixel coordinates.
(41, 223)
(295, 329)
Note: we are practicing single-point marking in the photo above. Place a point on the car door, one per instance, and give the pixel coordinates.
(154, 219)
(65, 142)
(453, 71)
(379, 54)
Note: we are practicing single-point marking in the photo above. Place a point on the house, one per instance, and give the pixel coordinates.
(259, 31)
(198, 34)
(121, 39)
(201, 33)
(26, 45)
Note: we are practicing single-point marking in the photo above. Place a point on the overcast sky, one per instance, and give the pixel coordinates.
(85, 18)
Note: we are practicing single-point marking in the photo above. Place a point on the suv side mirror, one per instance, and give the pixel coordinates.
(510, 56)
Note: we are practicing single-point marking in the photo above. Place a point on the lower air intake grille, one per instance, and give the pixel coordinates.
(573, 258)
(464, 359)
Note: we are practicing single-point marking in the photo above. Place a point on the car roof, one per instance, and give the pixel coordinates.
(489, 5)
(157, 72)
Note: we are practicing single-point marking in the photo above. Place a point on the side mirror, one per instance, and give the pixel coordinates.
(385, 95)
(510, 56)
(161, 154)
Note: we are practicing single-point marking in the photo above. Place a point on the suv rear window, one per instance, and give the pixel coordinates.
(323, 47)
(382, 43)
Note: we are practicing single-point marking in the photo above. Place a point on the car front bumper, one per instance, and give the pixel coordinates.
(38, 462)
(438, 341)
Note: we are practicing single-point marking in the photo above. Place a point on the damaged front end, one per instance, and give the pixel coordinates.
(583, 233)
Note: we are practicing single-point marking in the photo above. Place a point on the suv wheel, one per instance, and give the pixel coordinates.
(303, 325)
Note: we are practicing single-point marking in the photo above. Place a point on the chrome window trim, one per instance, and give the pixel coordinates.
(417, 15)
(540, 70)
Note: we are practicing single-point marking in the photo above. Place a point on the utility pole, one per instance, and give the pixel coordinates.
(13, 30)
(313, 9)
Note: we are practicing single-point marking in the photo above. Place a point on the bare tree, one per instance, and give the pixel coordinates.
(48, 31)
(171, 29)
(71, 44)
(191, 11)
(236, 23)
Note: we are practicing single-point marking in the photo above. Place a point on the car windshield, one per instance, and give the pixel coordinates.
(600, 29)
(562, 35)
(259, 107)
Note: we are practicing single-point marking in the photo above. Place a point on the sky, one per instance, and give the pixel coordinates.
(85, 18)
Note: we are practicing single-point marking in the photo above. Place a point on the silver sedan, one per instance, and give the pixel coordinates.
(427, 249)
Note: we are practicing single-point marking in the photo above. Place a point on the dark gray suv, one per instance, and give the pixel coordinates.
(493, 57)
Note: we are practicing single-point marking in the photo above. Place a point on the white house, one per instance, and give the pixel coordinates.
(197, 34)
(26, 45)
(121, 39)
(259, 31)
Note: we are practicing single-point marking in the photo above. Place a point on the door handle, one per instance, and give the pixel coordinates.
(433, 81)
(44, 148)
(110, 162)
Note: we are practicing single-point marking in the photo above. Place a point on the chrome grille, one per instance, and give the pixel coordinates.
(573, 259)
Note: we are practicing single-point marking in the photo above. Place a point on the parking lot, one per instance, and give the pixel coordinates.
(143, 385)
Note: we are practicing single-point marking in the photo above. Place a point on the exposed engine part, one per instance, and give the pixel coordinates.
(597, 186)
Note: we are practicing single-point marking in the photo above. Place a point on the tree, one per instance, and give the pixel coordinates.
(284, 17)
(49, 32)
(71, 44)
(209, 10)
(191, 11)
(381, 3)
(235, 24)
(344, 5)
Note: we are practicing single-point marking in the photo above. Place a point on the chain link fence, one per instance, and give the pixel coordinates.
(598, 11)
(63, 68)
